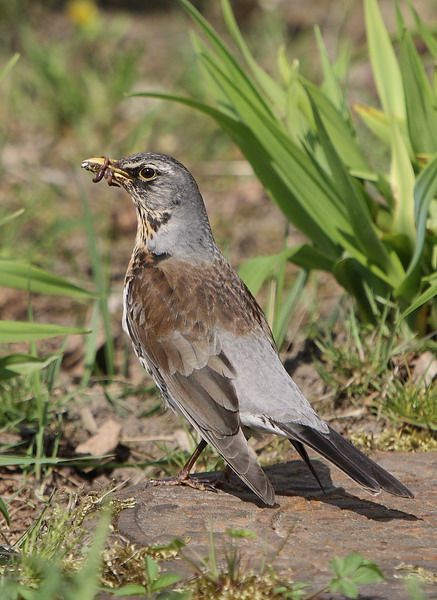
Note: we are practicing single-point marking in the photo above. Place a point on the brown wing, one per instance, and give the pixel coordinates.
(174, 313)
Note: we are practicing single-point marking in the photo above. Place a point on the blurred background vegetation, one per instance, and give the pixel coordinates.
(64, 98)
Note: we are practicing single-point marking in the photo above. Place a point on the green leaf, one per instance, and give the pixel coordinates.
(255, 271)
(385, 68)
(427, 295)
(420, 99)
(425, 32)
(152, 569)
(287, 305)
(345, 587)
(13, 365)
(367, 245)
(4, 511)
(25, 277)
(353, 277)
(368, 572)
(377, 121)
(353, 570)
(402, 181)
(309, 258)
(233, 69)
(165, 580)
(424, 191)
(331, 86)
(350, 563)
(130, 589)
(17, 331)
(340, 134)
(267, 83)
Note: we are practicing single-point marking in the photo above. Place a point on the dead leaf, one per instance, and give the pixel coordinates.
(104, 441)
(425, 369)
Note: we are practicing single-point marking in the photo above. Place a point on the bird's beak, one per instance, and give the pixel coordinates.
(106, 168)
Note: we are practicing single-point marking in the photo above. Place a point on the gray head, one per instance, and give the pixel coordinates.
(171, 214)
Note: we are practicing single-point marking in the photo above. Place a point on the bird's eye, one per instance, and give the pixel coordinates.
(148, 173)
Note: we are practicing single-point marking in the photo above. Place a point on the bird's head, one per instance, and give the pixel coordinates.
(170, 210)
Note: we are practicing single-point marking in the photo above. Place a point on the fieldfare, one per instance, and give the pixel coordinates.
(204, 339)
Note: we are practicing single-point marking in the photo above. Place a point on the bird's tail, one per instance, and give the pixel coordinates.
(346, 457)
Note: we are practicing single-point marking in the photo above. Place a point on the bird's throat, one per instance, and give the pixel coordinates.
(149, 224)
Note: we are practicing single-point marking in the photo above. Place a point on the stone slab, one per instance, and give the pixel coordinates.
(307, 528)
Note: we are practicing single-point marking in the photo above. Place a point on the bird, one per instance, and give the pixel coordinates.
(202, 336)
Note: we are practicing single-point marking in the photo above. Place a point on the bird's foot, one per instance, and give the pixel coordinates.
(194, 482)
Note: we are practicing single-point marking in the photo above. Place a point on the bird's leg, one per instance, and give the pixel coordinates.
(184, 473)
(183, 477)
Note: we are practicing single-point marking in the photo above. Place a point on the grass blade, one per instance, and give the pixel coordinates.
(21, 331)
(23, 276)
(385, 68)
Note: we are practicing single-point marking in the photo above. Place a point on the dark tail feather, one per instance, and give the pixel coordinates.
(300, 448)
(346, 457)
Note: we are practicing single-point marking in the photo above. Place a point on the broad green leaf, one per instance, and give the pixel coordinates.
(288, 303)
(350, 563)
(13, 365)
(425, 32)
(368, 572)
(130, 589)
(220, 97)
(21, 331)
(165, 580)
(376, 120)
(345, 587)
(270, 87)
(365, 236)
(310, 258)
(354, 278)
(255, 271)
(340, 134)
(385, 68)
(232, 68)
(296, 125)
(12, 216)
(424, 191)
(331, 86)
(420, 99)
(402, 181)
(152, 569)
(25, 277)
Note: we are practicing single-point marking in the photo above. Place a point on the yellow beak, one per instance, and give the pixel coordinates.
(103, 167)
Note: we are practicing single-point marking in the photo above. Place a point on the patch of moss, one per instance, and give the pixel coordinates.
(405, 571)
(406, 439)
